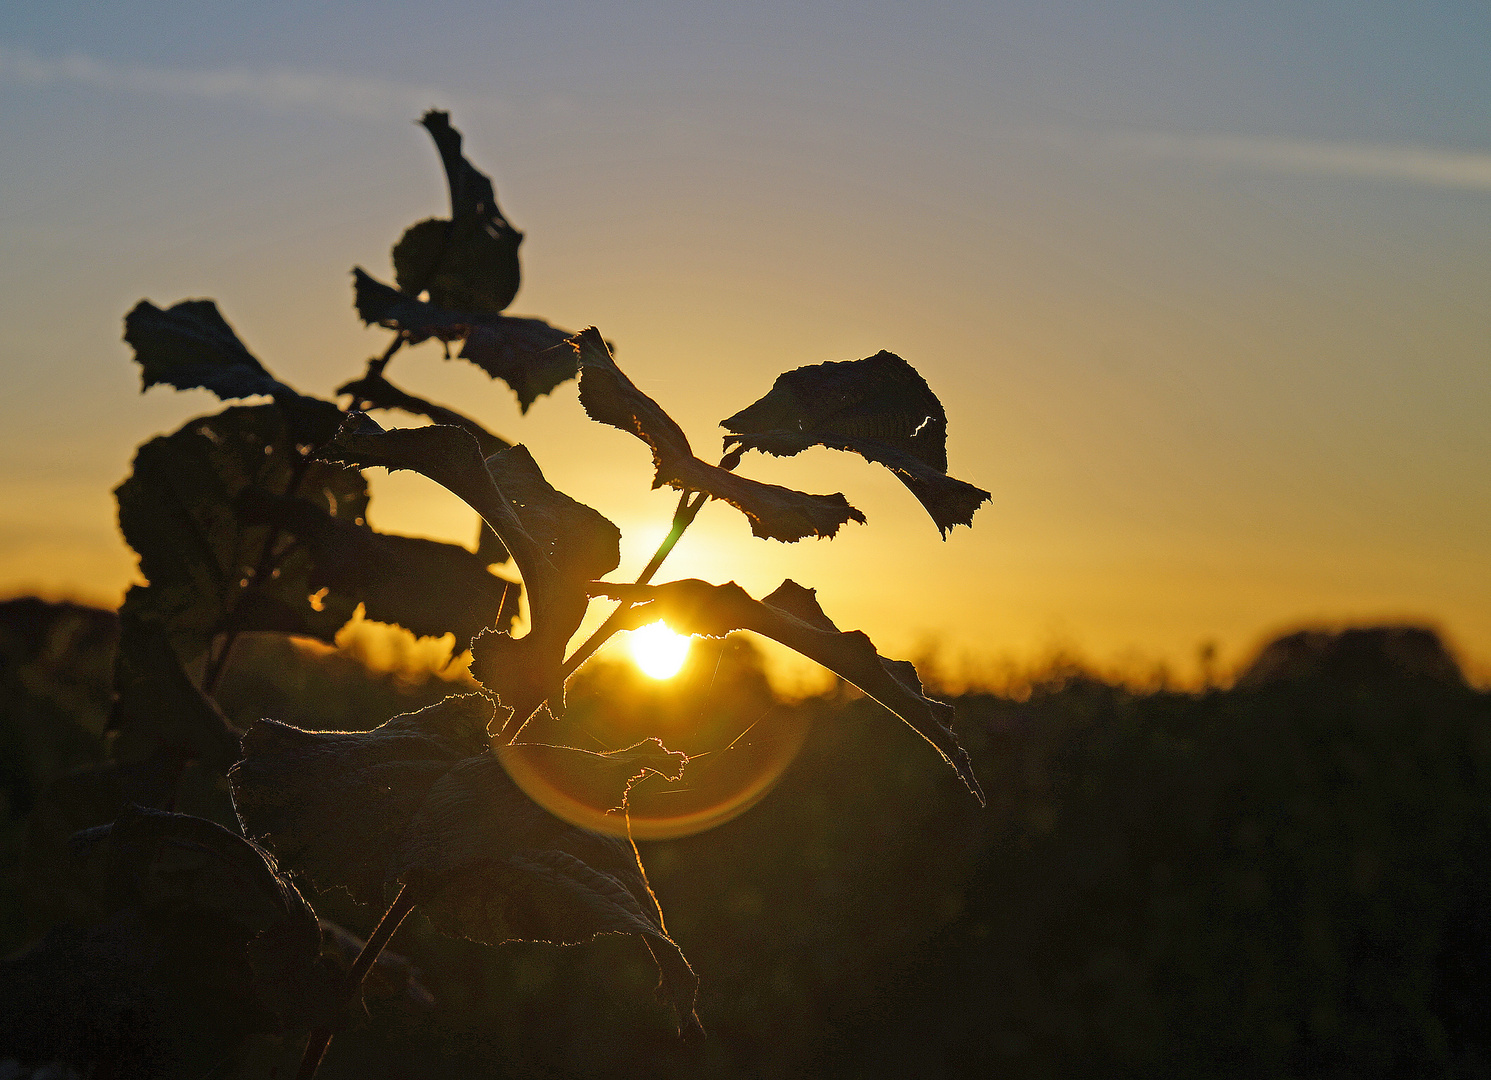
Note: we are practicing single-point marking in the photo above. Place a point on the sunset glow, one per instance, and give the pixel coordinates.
(1201, 289)
(658, 651)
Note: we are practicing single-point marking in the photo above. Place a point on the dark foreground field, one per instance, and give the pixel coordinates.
(1289, 878)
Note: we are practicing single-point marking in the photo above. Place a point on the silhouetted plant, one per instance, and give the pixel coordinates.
(255, 519)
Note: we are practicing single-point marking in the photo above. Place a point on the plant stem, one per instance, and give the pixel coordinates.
(219, 663)
(683, 517)
(377, 364)
(320, 1038)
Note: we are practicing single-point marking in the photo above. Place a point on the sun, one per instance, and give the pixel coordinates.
(658, 651)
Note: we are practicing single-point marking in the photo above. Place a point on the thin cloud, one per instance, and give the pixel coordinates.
(1467, 170)
(278, 88)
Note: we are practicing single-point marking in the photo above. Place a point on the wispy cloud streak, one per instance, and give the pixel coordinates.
(277, 88)
(1468, 170)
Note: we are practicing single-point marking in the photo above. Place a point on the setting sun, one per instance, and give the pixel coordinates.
(658, 651)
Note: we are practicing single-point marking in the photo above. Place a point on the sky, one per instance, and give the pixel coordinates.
(1205, 288)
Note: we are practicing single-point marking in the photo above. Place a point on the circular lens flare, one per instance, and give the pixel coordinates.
(658, 651)
(719, 710)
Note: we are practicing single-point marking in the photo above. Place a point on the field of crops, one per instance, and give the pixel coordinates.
(1290, 877)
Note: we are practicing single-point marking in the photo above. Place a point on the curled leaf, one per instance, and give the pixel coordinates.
(576, 545)
(515, 349)
(471, 193)
(421, 801)
(791, 615)
(879, 408)
(557, 543)
(375, 392)
(201, 559)
(427, 587)
(191, 345)
(471, 260)
(774, 512)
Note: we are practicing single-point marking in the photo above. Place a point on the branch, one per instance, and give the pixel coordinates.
(320, 1038)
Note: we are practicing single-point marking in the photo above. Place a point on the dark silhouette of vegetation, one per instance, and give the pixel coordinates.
(1289, 878)
(180, 924)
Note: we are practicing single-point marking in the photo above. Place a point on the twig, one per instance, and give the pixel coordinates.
(265, 566)
(320, 1038)
(219, 664)
(378, 363)
(682, 518)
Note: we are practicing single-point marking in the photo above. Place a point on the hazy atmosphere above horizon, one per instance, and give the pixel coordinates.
(1205, 289)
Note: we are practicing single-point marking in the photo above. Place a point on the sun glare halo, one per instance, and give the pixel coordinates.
(658, 651)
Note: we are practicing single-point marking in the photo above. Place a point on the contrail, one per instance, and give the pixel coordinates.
(1465, 169)
(277, 88)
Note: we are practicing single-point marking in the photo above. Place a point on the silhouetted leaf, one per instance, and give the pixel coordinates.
(557, 543)
(471, 260)
(579, 545)
(427, 587)
(191, 345)
(791, 615)
(177, 511)
(774, 512)
(579, 542)
(498, 867)
(467, 263)
(879, 408)
(633, 763)
(421, 801)
(203, 943)
(520, 351)
(160, 712)
(375, 392)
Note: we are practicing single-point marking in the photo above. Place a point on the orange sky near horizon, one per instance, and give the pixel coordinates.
(1215, 337)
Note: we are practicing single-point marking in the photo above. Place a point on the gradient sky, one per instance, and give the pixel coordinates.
(1206, 289)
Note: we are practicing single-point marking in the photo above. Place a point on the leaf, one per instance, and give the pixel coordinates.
(427, 587)
(159, 710)
(774, 512)
(191, 345)
(204, 942)
(791, 615)
(471, 193)
(466, 263)
(557, 543)
(155, 859)
(419, 800)
(879, 408)
(635, 762)
(470, 261)
(375, 392)
(177, 510)
(517, 350)
(579, 545)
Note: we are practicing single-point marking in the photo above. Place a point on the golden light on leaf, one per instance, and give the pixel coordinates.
(658, 651)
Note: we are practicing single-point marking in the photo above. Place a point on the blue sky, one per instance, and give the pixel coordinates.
(1204, 287)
